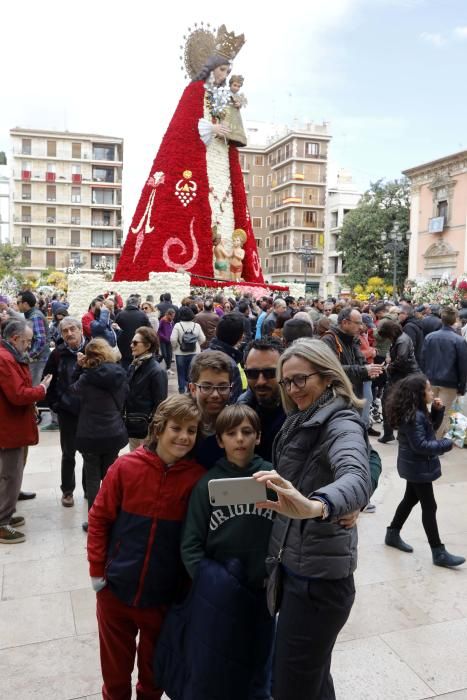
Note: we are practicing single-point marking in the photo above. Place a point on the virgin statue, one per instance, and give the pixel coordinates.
(195, 187)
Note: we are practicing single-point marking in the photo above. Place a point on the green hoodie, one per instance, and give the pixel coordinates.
(227, 532)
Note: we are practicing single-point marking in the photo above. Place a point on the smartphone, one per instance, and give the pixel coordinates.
(232, 492)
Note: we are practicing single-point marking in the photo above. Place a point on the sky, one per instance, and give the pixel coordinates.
(387, 75)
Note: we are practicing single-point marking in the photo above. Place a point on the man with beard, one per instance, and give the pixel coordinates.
(263, 395)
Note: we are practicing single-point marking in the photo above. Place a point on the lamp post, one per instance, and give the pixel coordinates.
(395, 245)
(306, 254)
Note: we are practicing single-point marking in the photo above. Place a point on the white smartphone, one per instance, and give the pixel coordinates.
(232, 492)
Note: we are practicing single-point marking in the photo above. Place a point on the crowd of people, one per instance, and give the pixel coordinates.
(282, 390)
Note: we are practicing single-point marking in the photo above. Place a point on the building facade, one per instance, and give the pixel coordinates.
(4, 200)
(341, 198)
(286, 181)
(66, 207)
(438, 218)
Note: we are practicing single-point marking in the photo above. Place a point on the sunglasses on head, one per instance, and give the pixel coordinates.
(267, 372)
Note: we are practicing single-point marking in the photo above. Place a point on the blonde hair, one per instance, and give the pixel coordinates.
(97, 352)
(325, 363)
(239, 233)
(179, 408)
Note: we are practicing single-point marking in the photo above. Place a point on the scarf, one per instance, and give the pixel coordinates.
(294, 422)
(138, 361)
(21, 358)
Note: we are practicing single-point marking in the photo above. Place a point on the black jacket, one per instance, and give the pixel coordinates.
(129, 320)
(103, 392)
(403, 360)
(417, 459)
(445, 359)
(347, 349)
(148, 387)
(271, 419)
(235, 359)
(431, 323)
(413, 328)
(61, 364)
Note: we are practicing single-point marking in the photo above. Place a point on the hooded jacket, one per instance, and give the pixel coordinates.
(413, 328)
(403, 360)
(135, 527)
(102, 392)
(223, 533)
(419, 450)
(445, 359)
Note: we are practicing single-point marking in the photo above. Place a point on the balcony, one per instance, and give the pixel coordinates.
(50, 177)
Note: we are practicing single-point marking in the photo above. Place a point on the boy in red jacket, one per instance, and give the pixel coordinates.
(134, 536)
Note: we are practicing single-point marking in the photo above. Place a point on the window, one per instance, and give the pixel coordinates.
(52, 149)
(259, 160)
(101, 152)
(50, 236)
(442, 209)
(310, 218)
(257, 222)
(243, 162)
(26, 147)
(334, 219)
(288, 151)
(25, 236)
(267, 242)
(102, 239)
(312, 148)
(51, 193)
(76, 195)
(75, 238)
(76, 216)
(257, 202)
(258, 181)
(51, 167)
(269, 180)
(25, 191)
(258, 242)
(102, 196)
(50, 258)
(27, 167)
(103, 174)
(266, 263)
(97, 259)
(26, 214)
(76, 150)
(268, 221)
(101, 218)
(76, 169)
(26, 257)
(51, 215)
(75, 257)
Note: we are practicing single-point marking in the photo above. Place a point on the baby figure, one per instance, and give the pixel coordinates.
(238, 98)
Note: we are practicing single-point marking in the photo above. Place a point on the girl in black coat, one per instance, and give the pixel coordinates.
(148, 385)
(102, 388)
(418, 461)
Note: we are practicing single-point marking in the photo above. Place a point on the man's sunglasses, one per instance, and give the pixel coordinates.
(267, 372)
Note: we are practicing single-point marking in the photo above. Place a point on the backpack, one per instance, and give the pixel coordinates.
(189, 340)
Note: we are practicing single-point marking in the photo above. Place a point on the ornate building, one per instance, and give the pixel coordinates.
(438, 218)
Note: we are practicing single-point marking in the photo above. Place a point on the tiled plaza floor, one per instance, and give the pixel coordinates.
(406, 638)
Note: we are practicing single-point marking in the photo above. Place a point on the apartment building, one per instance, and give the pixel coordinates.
(66, 199)
(286, 180)
(4, 200)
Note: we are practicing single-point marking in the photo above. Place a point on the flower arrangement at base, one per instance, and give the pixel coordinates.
(431, 292)
(375, 286)
(459, 286)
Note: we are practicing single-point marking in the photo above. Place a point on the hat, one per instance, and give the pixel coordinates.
(368, 321)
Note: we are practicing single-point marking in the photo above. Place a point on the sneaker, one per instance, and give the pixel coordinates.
(17, 521)
(369, 508)
(8, 535)
(373, 433)
(67, 500)
(50, 427)
(171, 372)
(386, 438)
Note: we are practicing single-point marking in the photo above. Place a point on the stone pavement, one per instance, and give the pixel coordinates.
(406, 638)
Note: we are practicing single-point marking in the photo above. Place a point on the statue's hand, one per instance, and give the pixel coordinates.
(220, 130)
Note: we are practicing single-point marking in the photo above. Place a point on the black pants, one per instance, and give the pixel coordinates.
(311, 616)
(166, 352)
(95, 467)
(423, 493)
(68, 424)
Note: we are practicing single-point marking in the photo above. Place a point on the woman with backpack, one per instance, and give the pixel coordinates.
(186, 338)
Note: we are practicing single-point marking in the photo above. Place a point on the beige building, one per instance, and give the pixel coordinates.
(66, 198)
(285, 179)
(438, 218)
(4, 200)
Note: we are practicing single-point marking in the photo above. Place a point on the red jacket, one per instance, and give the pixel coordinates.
(86, 321)
(134, 530)
(18, 426)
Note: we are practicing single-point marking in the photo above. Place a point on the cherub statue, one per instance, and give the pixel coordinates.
(238, 254)
(233, 119)
(221, 258)
(238, 98)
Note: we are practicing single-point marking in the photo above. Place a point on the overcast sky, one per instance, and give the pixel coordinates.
(388, 75)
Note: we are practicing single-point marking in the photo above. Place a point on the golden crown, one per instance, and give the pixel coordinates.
(202, 42)
(227, 44)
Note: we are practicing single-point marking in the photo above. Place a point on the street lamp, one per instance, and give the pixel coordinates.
(306, 254)
(395, 245)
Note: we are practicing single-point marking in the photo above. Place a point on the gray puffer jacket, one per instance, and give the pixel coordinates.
(328, 456)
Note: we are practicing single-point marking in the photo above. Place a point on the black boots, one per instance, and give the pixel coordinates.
(442, 558)
(387, 437)
(393, 539)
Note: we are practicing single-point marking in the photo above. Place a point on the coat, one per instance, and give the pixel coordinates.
(102, 392)
(347, 349)
(129, 320)
(445, 359)
(18, 426)
(148, 386)
(62, 366)
(326, 456)
(417, 458)
(413, 328)
(177, 334)
(403, 360)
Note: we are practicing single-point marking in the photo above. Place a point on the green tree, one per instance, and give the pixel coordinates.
(363, 252)
(10, 259)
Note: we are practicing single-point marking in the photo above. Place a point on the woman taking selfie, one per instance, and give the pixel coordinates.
(322, 478)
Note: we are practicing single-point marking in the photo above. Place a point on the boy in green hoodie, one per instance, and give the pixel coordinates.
(238, 532)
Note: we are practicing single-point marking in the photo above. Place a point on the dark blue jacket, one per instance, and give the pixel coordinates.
(417, 459)
(445, 359)
(272, 420)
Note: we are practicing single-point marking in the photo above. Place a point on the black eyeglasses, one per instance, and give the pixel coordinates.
(136, 342)
(298, 380)
(221, 389)
(267, 372)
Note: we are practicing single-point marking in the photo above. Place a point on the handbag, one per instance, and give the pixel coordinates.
(137, 424)
(275, 582)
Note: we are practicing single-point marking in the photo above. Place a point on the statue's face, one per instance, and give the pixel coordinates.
(235, 87)
(237, 242)
(220, 73)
